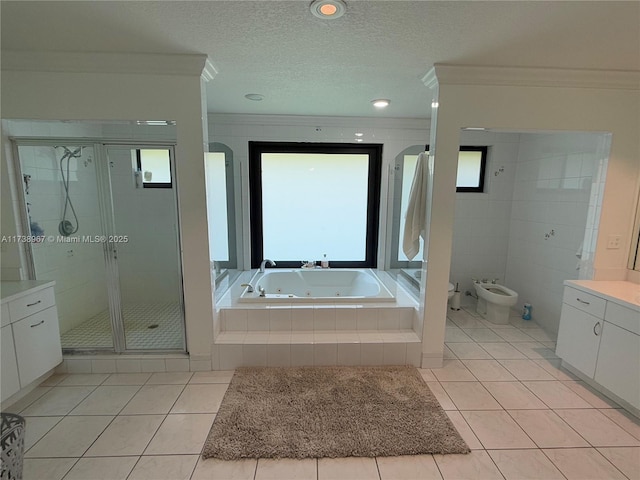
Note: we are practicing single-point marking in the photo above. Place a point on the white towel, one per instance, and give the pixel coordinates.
(416, 216)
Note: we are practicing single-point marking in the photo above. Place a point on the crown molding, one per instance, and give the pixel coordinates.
(430, 79)
(209, 71)
(532, 77)
(82, 62)
(318, 121)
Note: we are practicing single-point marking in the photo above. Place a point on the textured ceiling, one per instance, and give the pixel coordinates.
(307, 66)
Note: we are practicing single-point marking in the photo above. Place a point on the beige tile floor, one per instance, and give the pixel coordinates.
(522, 416)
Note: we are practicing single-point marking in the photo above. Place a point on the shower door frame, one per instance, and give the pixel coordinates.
(107, 220)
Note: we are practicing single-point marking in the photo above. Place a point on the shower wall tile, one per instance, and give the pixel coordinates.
(481, 222)
(553, 216)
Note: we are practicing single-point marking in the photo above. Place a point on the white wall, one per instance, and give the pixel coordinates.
(556, 174)
(481, 222)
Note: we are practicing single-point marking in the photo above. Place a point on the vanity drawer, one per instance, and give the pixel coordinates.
(585, 301)
(623, 317)
(37, 344)
(29, 304)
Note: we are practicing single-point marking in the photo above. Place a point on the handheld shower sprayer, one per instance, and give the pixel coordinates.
(65, 227)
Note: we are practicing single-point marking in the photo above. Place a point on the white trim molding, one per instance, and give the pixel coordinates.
(209, 71)
(80, 62)
(532, 77)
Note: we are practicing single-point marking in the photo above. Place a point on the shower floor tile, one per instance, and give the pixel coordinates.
(147, 326)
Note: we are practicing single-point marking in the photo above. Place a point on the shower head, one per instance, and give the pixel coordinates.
(77, 153)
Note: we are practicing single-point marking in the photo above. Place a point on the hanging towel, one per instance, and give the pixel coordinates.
(415, 218)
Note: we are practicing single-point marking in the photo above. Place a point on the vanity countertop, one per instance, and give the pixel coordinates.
(624, 293)
(12, 290)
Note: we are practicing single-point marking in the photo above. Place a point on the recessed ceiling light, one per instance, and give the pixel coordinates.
(256, 97)
(328, 8)
(381, 103)
(359, 134)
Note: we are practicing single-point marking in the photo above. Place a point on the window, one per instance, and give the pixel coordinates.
(154, 166)
(221, 217)
(311, 199)
(471, 165)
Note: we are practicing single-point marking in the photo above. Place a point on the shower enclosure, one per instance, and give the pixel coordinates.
(102, 222)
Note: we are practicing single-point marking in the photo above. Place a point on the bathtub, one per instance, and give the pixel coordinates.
(317, 285)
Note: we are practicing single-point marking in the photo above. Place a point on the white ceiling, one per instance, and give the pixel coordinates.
(307, 66)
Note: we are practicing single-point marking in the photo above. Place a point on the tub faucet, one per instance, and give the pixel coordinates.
(262, 291)
(265, 262)
(495, 280)
(249, 287)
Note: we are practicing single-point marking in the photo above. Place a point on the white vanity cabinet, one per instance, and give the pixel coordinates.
(579, 339)
(599, 337)
(30, 334)
(618, 368)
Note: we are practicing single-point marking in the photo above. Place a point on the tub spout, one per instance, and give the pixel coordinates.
(265, 262)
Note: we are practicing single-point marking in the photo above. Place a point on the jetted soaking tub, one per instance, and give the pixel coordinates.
(317, 285)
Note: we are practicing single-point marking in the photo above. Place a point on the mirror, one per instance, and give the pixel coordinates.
(220, 179)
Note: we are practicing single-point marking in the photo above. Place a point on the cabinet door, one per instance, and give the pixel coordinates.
(9, 383)
(618, 361)
(578, 339)
(37, 340)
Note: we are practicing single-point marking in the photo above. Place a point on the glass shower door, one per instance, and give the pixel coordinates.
(62, 212)
(144, 242)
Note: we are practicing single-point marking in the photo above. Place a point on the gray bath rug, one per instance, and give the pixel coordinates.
(314, 412)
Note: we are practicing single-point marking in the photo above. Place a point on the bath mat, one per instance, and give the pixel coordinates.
(315, 412)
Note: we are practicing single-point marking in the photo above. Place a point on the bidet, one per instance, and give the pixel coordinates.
(495, 301)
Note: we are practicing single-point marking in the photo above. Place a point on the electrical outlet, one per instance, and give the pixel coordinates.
(613, 242)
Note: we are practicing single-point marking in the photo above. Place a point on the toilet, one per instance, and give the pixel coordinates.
(495, 302)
